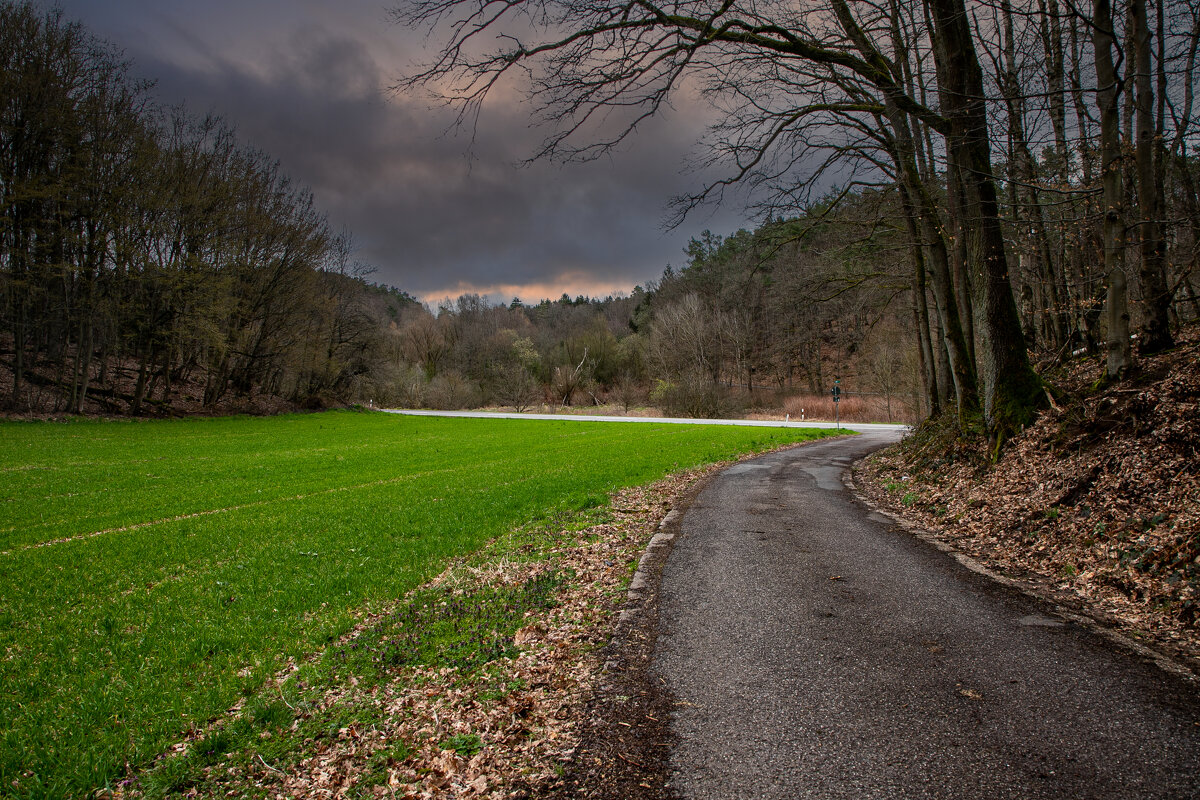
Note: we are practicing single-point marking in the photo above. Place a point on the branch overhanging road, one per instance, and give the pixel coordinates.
(813, 649)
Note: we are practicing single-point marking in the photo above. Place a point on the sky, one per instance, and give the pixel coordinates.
(436, 212)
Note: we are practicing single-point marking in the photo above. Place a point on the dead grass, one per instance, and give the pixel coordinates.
(852, 408)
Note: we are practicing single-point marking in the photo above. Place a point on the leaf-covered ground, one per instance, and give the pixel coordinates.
(1096, 504)
(373, 717)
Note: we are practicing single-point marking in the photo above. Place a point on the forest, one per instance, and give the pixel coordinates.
(950, 199)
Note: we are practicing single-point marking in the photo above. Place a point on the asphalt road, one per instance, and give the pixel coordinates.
(815, 650)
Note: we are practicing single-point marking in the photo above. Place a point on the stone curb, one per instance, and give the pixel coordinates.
(641, 603)
(1078, 617)
(660, 543)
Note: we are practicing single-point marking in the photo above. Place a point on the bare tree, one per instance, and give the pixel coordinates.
(590, 63)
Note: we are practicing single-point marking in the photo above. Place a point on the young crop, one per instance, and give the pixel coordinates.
(152, 573)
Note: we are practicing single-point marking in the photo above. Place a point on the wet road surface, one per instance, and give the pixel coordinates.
(815, 650)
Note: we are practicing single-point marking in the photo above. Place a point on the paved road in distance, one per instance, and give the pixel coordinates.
(861, 427)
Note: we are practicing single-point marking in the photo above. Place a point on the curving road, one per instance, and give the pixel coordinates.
(814, 650)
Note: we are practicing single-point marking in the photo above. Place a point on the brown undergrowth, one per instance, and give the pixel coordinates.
(45, 395)
(1096, 504)
(501, 725)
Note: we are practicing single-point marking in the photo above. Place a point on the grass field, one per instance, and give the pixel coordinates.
(153, 573)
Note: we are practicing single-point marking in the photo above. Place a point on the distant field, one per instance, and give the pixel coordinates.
(151, 573)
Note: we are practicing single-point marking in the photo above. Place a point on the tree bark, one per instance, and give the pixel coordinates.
(1156, 329)
(1120, 355)
(920, 208)
(921, 311)
(1012, 391)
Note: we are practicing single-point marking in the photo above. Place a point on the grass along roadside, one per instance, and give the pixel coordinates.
(486, 703)
(236, 545)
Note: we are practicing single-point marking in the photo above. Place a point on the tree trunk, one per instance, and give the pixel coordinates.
(945, 386)
(921, 312)
(139, 389)
(959, 258)
(1028, 214)
(1120, 356)
(1156, 329)
(919, 207)
(87, 344)
(1012, 391)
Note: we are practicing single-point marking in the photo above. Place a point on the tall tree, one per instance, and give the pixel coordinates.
(1120, 356)
(1156, 329)
(589, 60)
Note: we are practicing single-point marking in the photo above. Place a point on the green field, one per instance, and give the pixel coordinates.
(152, 573)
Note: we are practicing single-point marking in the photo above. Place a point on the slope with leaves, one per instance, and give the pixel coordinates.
(1096, 504)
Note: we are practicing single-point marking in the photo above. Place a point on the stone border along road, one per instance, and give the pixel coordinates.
(812, 648)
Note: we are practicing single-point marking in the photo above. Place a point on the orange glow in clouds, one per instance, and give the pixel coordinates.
(570, 283)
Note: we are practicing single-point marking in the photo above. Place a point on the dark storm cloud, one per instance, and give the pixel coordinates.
(432, 219)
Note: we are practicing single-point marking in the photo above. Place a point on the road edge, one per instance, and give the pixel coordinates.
(625, 738)
(625, 734)
(1046, 599)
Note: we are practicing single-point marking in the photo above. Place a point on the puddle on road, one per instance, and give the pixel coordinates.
(742, 469)
(827, 477)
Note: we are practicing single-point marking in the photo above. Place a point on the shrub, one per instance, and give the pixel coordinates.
(692, 396)
(514, 386)
(450, 390)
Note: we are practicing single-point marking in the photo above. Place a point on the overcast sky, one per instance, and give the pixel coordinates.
(307, 81)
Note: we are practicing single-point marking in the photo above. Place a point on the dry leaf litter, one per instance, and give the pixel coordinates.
(1096, 505)
(518, 741)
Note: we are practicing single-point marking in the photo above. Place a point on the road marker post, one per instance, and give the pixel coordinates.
(837, 399)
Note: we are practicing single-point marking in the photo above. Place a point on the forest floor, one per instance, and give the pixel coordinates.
(1096, 505)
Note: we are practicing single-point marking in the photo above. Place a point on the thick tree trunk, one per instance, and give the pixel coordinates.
(1012, 391)
(959, 258)
(1156, 329)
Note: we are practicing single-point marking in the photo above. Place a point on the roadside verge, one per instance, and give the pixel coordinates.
(1063, 604)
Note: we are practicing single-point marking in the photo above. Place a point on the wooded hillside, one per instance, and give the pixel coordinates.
(1097, 505)
(150, 262)
(1028, 147)
(953, 198)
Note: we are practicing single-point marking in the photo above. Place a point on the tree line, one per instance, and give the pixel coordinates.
(953, 198)
(1037, 152)
(749, 320)
(147, 258)
(152, 264)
